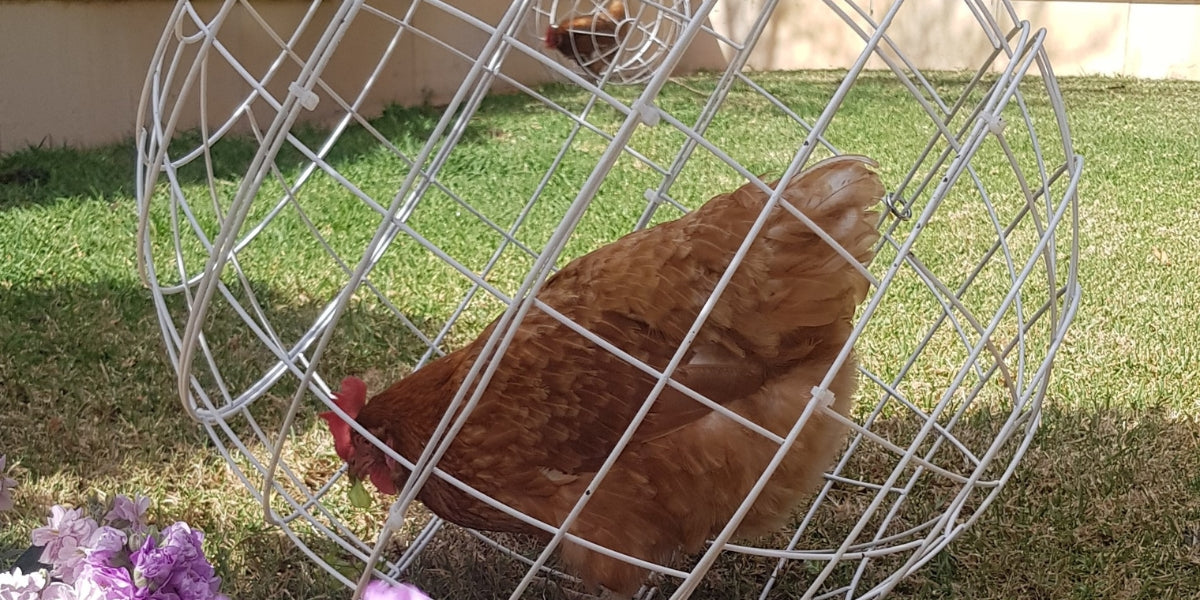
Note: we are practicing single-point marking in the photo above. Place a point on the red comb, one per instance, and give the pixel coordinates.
(351, 398)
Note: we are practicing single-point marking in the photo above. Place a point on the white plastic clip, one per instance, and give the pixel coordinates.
(647, 112)
(823, 397)
(995, 123)
(308, 98)
(395, 520)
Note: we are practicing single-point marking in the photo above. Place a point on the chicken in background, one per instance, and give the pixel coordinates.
(558, 403)
(591, 40)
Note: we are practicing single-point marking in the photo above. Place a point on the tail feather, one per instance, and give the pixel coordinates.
(802, 281)
(838, 195)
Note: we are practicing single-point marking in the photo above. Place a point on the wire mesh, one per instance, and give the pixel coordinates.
(973, 284)
(622, 42)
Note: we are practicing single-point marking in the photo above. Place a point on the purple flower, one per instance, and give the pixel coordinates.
(98, 582)
(63, 540)
(6, 484)
(105, 543)
(59, 591)
(128, 514)
(381, 590)
(175, 567)
(152, 565)
(186, 543)
(159, 594)
(193, 585)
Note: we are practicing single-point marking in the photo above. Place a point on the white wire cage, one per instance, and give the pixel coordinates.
(973, 286)
(622, 42)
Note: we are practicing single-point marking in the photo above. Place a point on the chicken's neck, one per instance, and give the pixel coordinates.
(413, 406)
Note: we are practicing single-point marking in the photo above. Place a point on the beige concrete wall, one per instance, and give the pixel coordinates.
(71, 72)
(1085, 38)
(67, 75)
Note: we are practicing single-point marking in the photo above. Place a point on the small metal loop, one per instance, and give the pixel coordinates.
(898, 208)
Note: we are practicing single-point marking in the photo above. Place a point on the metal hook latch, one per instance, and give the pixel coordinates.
(897, 207)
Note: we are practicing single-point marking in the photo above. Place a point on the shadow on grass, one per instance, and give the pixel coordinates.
(89, 407)
(1103, 497)
(1103, 500)
(1106, 503)
(86, 388)
(44, 176)
(41, 176)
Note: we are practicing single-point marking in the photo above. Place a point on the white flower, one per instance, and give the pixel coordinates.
(15, 586)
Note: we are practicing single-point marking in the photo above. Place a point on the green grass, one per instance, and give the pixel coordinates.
(1105, 505)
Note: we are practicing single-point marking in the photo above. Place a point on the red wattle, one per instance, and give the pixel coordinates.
(351, 398)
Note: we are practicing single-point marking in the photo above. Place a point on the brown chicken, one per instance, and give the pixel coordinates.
(591, 40)
(558, 403)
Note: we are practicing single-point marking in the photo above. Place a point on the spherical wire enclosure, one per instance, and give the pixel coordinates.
(278, 265)
(638, 34)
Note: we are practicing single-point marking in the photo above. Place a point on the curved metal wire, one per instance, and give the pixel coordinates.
(982, 156)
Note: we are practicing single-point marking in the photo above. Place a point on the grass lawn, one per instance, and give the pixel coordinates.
(1105, 505)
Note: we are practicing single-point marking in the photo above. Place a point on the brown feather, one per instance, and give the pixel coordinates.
(558, 403)
(591, 40)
